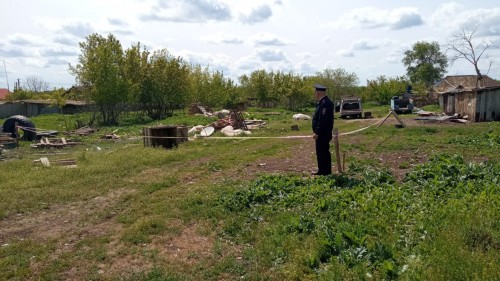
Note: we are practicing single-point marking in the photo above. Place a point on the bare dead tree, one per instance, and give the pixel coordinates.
(462, 46)
(36, 84)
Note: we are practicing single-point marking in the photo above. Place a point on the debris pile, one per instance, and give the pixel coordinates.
(230, 123)
(83, 131)
(435, 117)
(6, 140)
(231, 132)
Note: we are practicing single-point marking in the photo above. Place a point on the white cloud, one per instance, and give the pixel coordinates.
(392, 59)
(268, 39)
(117, 22)
(25, 40)
(193, 11)
(78, 29)
(345, 53)
(214, 62)
(306, 68)
(56, 61)
(454, 17)
(372, 18)
(222, 38)
(59, 52)
(304, 55)
(68, 40)
(270, 55)
(257, 15)
(14, 53)
(369, 44)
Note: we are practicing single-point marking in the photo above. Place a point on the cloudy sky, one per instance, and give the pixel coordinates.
(40, 38)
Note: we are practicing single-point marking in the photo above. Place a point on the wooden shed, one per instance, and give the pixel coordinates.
(478, 105)
(452, 82)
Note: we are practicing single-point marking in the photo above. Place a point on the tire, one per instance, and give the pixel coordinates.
(9, 126)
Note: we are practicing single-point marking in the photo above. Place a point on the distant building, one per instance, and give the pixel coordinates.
(31, 108)
(459, 94)
(3, 93)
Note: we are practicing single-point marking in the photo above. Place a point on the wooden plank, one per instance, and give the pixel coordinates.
(384, 119)
(45, 161)
(397, 117)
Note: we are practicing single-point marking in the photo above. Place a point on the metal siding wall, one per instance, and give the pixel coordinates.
(492, 105)
(9, 109)
(479, 107)
(488, 108)
(497, 105)
(487, 103)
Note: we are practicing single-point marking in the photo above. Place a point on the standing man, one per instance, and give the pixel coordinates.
(322, 125)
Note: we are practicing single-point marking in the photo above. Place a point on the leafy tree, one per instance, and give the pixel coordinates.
(290, 88)
(425, 63)
(463, 45)
(135, 68)
(165, 85)
(199, 78)
(339, 81)
(20, 94)
(382, 89)
(259, 86)
(100, 71)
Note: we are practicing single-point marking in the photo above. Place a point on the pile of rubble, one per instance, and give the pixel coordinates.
(230, 123)
(440, 117)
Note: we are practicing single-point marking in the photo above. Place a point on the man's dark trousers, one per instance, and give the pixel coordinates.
(323, 155)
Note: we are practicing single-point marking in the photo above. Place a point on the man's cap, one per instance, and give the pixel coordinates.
(320, 87)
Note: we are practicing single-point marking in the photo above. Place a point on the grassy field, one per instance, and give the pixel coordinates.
(417, 203)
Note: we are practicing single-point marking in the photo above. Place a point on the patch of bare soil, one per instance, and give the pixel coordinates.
(300, 158)
(67, 224)
(187, 247)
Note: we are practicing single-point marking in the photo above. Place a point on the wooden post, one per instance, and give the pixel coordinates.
(397, 117)
(343, 161)
(337, 149)
(390, 112)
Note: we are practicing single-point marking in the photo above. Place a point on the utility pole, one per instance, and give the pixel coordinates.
(6, 76)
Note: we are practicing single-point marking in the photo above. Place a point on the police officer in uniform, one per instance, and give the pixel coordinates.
(322, 125)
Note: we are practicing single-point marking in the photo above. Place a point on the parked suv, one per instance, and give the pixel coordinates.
(351, 107)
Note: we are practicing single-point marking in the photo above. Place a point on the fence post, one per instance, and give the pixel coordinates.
(337, 149)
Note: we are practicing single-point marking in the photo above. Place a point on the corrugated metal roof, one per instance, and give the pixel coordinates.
(68, 102)
(464, 82)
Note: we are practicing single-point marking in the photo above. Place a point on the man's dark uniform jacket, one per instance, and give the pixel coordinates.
(322, 125)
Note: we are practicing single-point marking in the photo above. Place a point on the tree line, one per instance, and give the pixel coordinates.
(155, 83)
